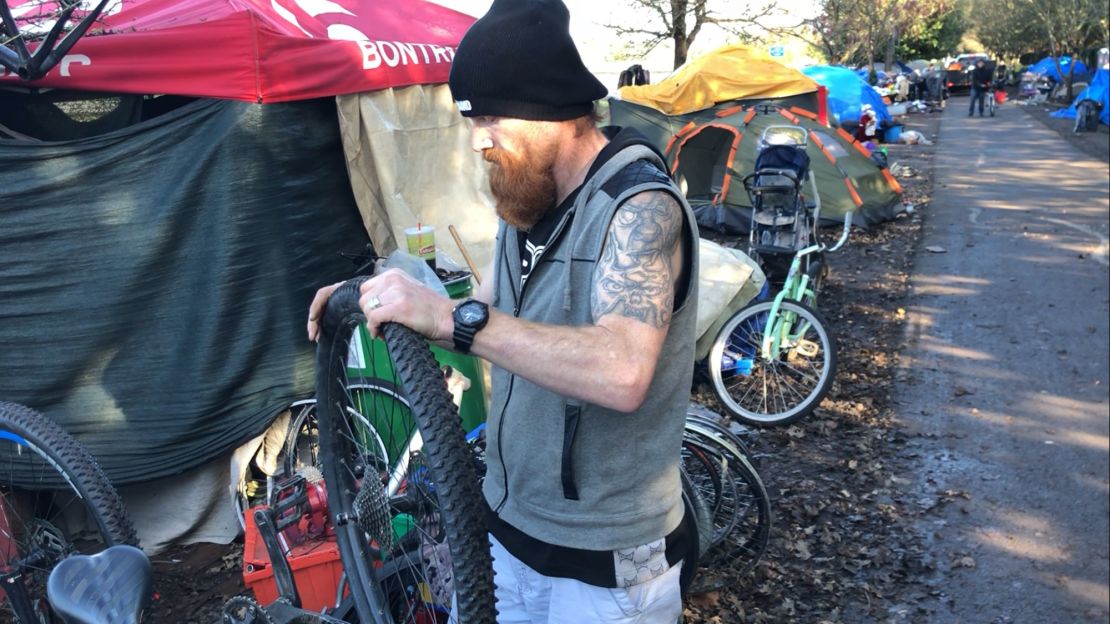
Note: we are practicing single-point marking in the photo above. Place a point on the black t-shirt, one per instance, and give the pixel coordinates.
(532, 242)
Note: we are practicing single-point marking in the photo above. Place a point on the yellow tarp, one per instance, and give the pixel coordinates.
(734, 72)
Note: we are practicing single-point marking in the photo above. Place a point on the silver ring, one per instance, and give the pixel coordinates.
(375, 303)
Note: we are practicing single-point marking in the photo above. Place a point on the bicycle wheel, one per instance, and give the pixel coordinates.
(302, 438)
(785, 387)
(54, 502)
(740, 504)
(715, 430)
(409, 525)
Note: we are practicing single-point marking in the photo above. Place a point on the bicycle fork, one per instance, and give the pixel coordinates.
(779, 328)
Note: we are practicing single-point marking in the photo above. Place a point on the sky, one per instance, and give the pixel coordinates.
(598, 44)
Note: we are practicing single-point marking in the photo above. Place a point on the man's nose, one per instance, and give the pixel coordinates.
(480, 139)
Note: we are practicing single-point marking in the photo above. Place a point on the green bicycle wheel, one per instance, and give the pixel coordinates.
(777, 390)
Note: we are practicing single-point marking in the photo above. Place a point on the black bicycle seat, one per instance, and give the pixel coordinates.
(111, 587)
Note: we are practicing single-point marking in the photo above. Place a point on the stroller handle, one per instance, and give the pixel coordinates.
(844, 234)
(787, 173)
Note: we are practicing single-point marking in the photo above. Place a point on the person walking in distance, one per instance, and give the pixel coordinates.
(981, 79)
(588, 322)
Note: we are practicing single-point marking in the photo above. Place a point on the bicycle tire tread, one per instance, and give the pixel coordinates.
(445, 451)
(83, 469)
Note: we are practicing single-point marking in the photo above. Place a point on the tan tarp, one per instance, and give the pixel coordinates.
(734, 72)
(409, 159)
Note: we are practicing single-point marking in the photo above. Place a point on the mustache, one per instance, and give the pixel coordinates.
(496, 156)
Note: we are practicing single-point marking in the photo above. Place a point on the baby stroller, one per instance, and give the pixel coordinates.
(782, 222)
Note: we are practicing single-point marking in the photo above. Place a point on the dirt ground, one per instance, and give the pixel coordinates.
(842, 549)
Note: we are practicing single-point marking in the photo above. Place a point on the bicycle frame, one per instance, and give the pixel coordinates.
(780, 331)
(34, 65)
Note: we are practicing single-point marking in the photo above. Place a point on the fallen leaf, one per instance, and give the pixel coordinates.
(965, 562)
(935, 249)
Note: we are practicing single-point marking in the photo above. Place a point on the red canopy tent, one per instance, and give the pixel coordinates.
(254, 50)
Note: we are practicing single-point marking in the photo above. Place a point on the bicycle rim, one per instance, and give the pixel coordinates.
(54, 502)
(785, 387)
(409, 524)
(742, 516)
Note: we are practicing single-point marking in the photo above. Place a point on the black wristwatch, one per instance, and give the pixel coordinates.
(469, 316)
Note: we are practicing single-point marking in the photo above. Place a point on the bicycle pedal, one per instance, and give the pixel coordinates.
(807, 348)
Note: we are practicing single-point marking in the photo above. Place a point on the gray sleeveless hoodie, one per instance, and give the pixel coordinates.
(563, 471)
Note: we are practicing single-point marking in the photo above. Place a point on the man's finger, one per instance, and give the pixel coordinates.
(316, 309)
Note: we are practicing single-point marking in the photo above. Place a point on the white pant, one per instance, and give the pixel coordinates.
(525, 596)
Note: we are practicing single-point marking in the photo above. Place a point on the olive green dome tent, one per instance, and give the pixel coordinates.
(710, 151)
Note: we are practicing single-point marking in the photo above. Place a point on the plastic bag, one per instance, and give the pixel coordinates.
(913, 137)
(416, 268)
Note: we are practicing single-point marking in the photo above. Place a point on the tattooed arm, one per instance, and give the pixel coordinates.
(612, 362)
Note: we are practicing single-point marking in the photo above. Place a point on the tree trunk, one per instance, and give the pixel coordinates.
(681, 43)
(889, 60)
(1071, 77)
(681, 46)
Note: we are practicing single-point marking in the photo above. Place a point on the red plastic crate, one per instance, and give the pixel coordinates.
(315, 562)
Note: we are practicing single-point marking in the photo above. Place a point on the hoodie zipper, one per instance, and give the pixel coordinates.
(518, 302)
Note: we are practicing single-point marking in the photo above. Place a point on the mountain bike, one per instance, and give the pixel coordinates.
(372, 420)
(401, 482)
(55, 503)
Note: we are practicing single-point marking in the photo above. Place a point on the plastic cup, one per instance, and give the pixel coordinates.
(421, 242)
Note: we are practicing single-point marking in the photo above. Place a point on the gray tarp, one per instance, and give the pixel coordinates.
(154, 280)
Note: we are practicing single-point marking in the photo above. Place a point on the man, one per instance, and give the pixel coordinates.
(981, 78)
(590, 328)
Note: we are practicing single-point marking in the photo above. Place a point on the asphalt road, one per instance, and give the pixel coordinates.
(1005, 376)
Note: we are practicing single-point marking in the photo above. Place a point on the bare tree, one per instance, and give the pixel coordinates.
(680, 21)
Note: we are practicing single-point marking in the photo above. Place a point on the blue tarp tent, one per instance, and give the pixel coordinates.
(847, 92)
(1046, 67)
(1099, 91)
(863, 71)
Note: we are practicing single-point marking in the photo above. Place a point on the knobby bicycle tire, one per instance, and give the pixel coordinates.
(44, 472)
(444, 455)
(767, 396)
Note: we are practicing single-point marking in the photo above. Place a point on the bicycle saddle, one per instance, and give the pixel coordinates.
(111, 587)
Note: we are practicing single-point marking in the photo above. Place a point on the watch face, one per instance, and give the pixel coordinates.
(472, 312)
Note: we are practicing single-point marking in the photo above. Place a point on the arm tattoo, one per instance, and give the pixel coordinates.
(635, 276)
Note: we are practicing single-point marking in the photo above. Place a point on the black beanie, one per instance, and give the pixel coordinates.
(519, 61)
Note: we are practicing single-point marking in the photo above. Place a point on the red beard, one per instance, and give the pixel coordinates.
(524, 188)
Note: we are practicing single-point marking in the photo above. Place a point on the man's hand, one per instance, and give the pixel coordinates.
(393, 296)
(316, 309)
